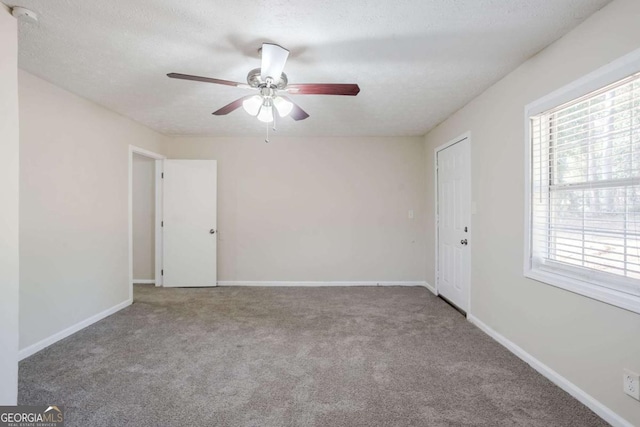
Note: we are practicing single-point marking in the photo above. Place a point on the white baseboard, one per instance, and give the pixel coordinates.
(144, 281)
(40, 345)
(316, 284)
(430, 287)
(596, 406)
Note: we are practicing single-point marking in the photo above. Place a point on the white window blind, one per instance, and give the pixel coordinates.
(585, 182)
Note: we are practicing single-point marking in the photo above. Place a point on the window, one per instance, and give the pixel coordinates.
(584, 193)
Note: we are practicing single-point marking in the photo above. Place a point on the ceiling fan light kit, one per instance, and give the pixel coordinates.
(283, 106)
(252, 105)
(268, 80)
(262, 105)
(266, 114)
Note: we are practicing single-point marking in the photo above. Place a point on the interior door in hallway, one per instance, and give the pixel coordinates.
(189, 223)
(453, 216)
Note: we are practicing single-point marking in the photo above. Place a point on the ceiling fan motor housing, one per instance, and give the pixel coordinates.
(254, 79)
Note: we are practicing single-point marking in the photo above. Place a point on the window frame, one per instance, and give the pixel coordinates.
(553, 274)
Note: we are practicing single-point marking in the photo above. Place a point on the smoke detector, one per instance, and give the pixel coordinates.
(21, 12)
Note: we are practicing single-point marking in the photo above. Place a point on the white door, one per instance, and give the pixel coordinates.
(189, 228)
(454, 208)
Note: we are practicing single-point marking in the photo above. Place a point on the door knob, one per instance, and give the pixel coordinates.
(212, 231)
(463, 242)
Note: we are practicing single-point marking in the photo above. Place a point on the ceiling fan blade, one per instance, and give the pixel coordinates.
(231, 107)
(296, 113)
(273, 59)
(323, 89)
(207, 80)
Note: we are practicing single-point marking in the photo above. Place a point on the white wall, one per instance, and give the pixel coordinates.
(316, 209)
(143, 217)
(73, 207)
(586, 341)
(9, 175)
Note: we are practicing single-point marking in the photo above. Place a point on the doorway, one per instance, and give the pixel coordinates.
(453, 222)
(144, 207)
(145, 215)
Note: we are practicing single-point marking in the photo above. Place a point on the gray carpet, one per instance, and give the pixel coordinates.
(291, 357)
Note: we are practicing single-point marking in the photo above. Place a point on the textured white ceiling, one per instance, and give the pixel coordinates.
(416, 61)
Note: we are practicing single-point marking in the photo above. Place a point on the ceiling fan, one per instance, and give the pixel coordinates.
(270, 82)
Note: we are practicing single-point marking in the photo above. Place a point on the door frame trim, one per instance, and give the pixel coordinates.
(159, 158)
(467, 136)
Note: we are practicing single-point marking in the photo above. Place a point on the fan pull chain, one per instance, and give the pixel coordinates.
(274, 127)
(275, 118)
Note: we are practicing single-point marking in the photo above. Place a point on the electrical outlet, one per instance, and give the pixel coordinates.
(631, 384)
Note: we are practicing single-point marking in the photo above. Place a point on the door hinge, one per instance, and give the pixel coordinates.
(162, 272)
(161, 223)
(162, 175)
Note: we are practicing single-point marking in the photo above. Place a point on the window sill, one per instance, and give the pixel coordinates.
(606, 295)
